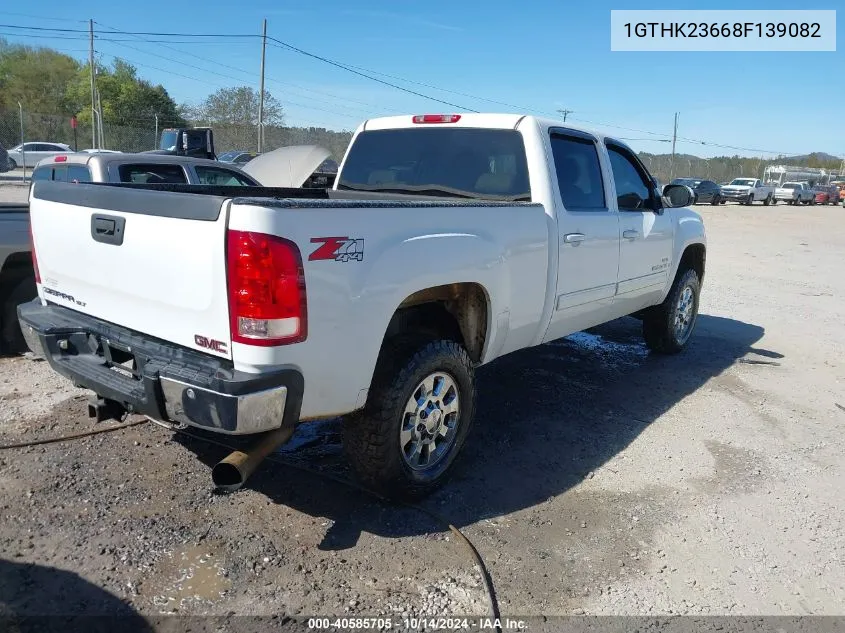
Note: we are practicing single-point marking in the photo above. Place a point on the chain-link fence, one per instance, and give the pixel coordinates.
(142, 135)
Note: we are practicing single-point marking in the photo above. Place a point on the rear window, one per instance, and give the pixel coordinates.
(43, 173)
(154, 174)
(62, 173)
(463, 162)
(78, 173)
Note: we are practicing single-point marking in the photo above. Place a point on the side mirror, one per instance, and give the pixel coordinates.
(675, 196)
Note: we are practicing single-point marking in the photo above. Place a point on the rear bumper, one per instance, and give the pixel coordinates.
(158, 379)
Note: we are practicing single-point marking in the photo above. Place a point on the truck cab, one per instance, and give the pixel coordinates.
(195, 142)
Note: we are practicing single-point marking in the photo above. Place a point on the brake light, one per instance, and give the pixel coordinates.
(437, 118)
(34, 258)
(266, 280)
(60, 159)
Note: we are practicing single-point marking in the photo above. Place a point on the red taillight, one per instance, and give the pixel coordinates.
(60, 159)
(437, 118)
(266, 289)
(34, 258)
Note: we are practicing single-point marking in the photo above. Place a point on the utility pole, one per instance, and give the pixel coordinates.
(155, 142)
(674, 138)
(261, 91)
(93, 98)
(564, 112)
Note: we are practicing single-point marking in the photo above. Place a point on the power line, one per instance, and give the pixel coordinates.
(269, 79)
(65, 30)
(285, 45)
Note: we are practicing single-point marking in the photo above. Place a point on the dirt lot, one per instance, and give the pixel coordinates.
(597, 480)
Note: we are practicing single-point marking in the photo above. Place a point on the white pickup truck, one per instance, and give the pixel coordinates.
(748, 191)
(446, 242)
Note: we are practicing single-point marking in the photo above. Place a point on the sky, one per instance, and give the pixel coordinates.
(533, 57)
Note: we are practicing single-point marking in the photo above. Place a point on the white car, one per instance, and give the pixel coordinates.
(34, 151)
(447, 241)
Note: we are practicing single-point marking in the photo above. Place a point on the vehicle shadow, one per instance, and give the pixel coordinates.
(47, 600)
(546, 417)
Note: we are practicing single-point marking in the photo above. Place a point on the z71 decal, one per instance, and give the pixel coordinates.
(340, 249)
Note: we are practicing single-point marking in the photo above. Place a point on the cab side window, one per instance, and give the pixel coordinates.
(633, 193)
(578, 173)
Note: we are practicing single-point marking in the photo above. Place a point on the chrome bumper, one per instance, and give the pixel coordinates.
(246, 413)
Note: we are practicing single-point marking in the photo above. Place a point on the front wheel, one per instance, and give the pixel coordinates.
(715, 200)
(12, 164)
(750, 200)
(416, 419)
(668, 327)
(768, 200)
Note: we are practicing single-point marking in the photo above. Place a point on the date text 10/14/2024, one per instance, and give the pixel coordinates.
(417, 624)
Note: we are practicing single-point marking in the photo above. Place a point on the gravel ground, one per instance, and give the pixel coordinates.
(598, 479)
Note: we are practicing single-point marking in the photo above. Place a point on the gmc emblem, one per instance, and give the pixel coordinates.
(210, 343)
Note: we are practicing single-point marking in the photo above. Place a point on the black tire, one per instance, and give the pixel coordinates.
(723, 201)
(768, 200)
(695, 198)
(11, 337)
(750, 200)
(658, 325)
(715, 200)
(12, 164)
(371, 438)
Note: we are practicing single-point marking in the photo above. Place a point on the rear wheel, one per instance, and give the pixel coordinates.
(668, 327)
(12, 164)
(416, 419)
(11, 337)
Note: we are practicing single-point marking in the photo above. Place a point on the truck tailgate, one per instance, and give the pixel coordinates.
(114, 253)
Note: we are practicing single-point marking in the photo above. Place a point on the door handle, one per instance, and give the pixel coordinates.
(573, 238)
(630, 234)
(108, 229)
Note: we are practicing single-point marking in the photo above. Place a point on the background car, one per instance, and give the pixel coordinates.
(4, 160)
(821, 194)
(704, 190)
(237, 157)
(34, 151)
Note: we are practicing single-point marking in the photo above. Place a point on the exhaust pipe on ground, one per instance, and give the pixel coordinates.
(231, 473)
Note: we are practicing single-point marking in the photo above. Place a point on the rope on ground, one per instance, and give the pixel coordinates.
(468, 545)
(76, 436)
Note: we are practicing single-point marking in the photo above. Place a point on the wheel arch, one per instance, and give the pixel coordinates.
(458, 311)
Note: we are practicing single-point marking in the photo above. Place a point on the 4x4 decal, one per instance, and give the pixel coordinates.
(340, 249)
